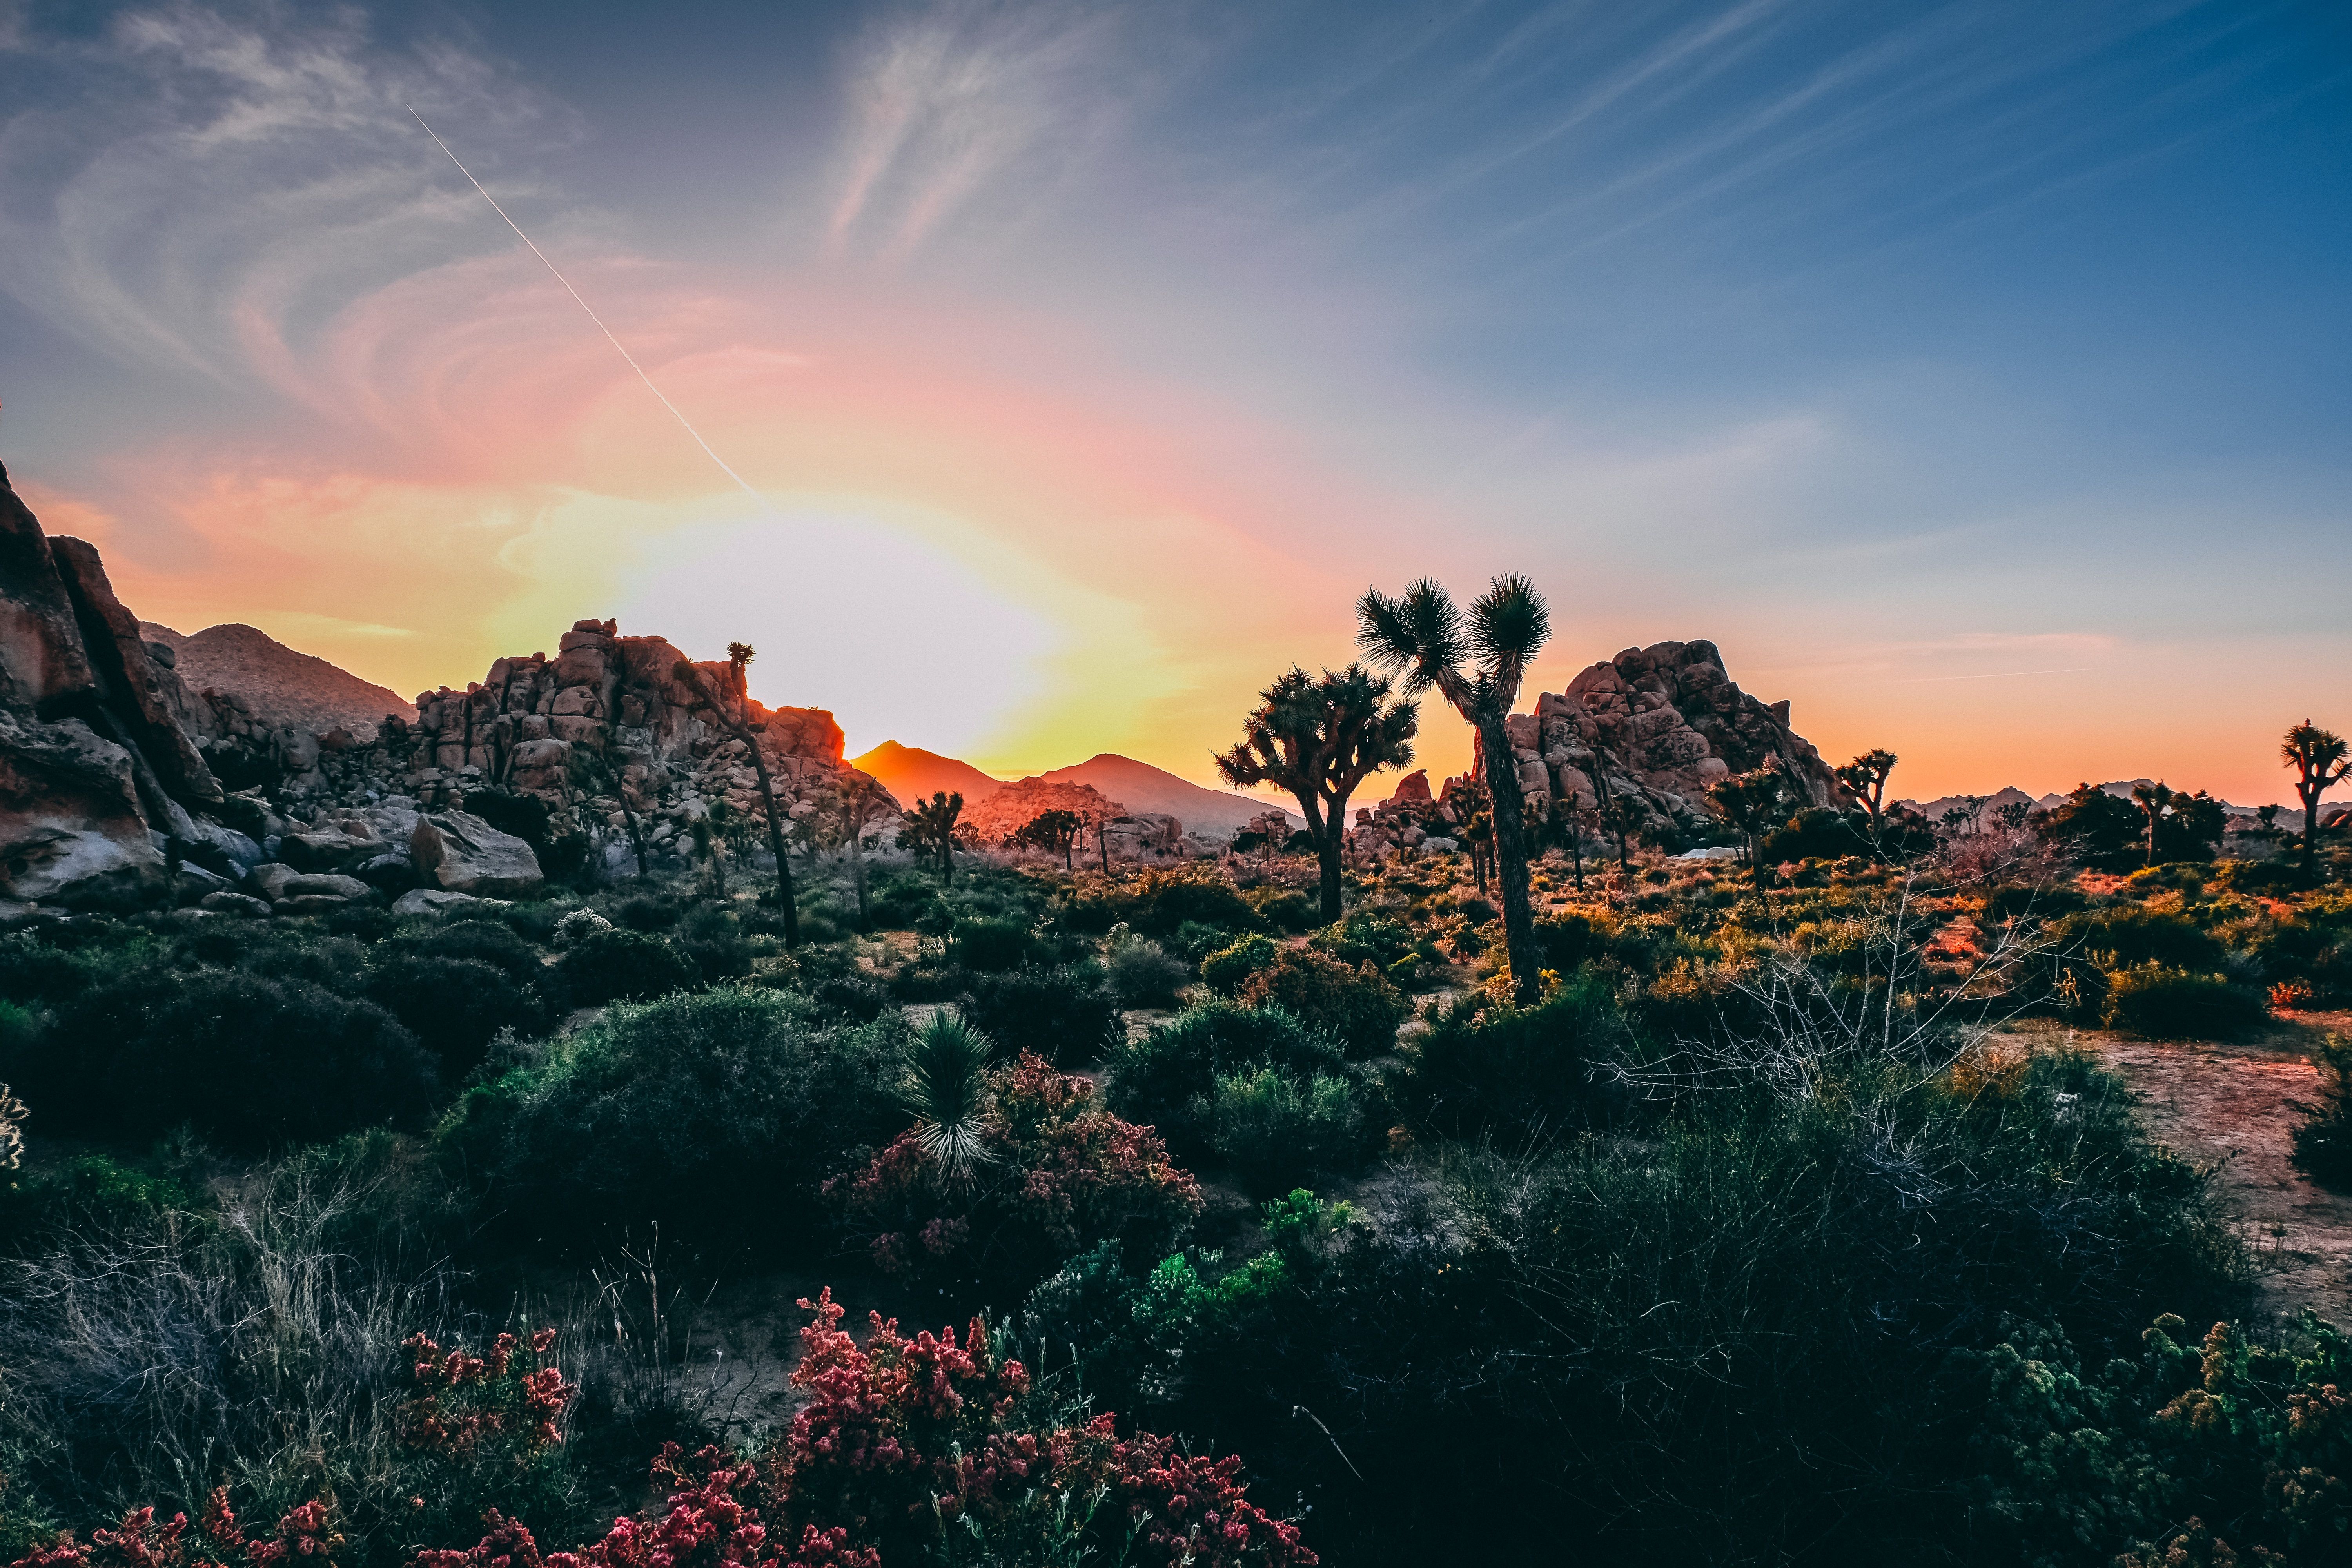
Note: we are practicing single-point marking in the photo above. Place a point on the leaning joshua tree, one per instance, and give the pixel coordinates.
(1476, 663)
(1319, 738)
(731, 710)
(2318, 758)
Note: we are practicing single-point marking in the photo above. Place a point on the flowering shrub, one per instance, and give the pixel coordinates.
(468, 1405)
(936, 1442)
(214, 1539)
(1070, 1175)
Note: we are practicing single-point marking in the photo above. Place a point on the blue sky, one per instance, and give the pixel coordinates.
(1975, 375)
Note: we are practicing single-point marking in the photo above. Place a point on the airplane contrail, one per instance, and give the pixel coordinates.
(683, 422)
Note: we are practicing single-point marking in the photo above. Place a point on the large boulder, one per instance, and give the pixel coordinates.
(459, 853)
(71, 829)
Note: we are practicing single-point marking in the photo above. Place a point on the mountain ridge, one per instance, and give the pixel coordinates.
(285, 687)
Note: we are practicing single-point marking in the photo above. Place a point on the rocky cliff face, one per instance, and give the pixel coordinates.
(121, 786)
(1663, 722)
(101, 791)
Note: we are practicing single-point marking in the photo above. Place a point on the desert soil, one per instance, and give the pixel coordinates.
(2229, 1107)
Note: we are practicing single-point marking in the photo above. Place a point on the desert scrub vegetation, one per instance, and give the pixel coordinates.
(1749, 1235)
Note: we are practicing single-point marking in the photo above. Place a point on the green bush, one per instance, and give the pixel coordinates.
(620, 964)
(1276, 1131)
(246, 1061)
(710, 1112)
(1164, 1077)
(2135, 934)
(990, 947)
(454, 1006)
(2173, 1004)
(1355, 1006)
(2323, 1132)
(90, 1191)
(1570, 941)
(1486, 1065)
(1285, 909)
(1226, 971)
(1364, 936)
(1065, 1012)
(1145, 974)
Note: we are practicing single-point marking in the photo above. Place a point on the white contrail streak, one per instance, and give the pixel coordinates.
(683, 422)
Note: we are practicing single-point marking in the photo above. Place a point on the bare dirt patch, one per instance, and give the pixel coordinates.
(2230, 1107)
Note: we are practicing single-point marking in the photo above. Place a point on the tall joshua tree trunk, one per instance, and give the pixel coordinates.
(1509, 812)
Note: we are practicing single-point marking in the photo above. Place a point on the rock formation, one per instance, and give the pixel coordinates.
(102, 792)
(112, 768)
(281, 687)
(1664, 721)
(1132, 835)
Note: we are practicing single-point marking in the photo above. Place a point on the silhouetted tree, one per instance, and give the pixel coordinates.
(2319, 760)
(930, 829)
(1476, 664)
(1866, 777)
(1054, 831)
(732, 708)
(1319, 738)
(1754, 803)
(2152, 799)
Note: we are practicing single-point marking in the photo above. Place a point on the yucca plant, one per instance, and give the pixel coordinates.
(947, 1091)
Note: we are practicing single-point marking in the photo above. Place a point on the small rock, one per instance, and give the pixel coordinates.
(227, 903)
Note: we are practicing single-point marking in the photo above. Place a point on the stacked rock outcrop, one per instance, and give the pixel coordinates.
(1664, 722)
(1131, 835)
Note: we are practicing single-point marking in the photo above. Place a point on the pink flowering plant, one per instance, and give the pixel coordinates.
(1067, 1175)
(942, 1448)
(216, 1538)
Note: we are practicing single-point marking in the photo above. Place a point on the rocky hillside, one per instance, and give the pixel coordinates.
(281, 687)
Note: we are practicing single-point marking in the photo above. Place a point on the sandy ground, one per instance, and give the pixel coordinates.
(2229, 1107)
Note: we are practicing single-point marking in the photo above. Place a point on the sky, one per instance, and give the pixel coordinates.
(1034, 380)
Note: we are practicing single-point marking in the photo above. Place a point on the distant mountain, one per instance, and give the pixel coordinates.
(297, 691)
(911, 774)
(1933, 810)
(1142, 787)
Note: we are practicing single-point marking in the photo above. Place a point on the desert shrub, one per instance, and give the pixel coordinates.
(2175, 1003)
(1570, 940)
(89, 1192)
(1354, 1005)
(858, 997)
(361, 922)
(1285, 909)
(1163, 1078)
(1145, 974)
(35, 972)
(2323, 1130)
(1364, 936)
(454, 1006)
(1488, 1066)
(247, 1061)
(990, 947)
(646, 913)
(710, 1112)
(1064, 1177)
(2133, 934)
(1276, 1131)
(2228, 1451)
(2019, 901)
(1157, 902)
(712, 939)
(532, 920)
(486, 941)
(622, 964)
(1066, 1013)
(1226, 969)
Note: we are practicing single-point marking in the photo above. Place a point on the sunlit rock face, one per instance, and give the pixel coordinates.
(1664, 722)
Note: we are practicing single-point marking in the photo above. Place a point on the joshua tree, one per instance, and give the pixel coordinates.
(857, 804)
(2152, 799)
(1866, 777)
(1615, 813)
(1475, 664)
(2318, 758)
(930, 827)
(732, 709)
(947, 1091)
(1055, 832)
(1752, 802)
(1319, 738)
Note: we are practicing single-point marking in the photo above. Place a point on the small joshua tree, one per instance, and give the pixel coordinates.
(1752, 802)
(2319, 760)
(931, 829)
(2152, 799)
(1866, 778)
(1055, 832)
(1319, 738)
